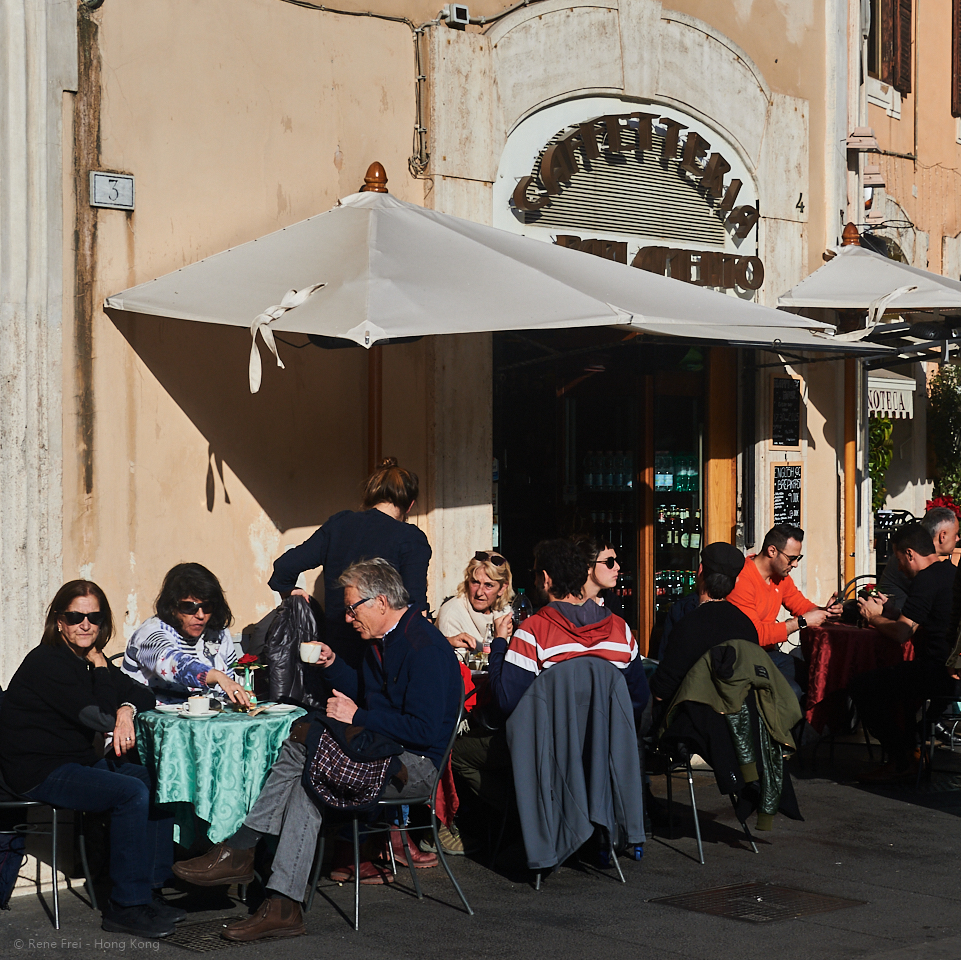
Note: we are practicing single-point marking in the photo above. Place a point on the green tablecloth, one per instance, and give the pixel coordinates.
(218, 766)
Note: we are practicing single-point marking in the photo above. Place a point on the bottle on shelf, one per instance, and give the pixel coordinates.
(619, 470)
(628, 470)
(696, 531)
(685, 528)
(589, 470)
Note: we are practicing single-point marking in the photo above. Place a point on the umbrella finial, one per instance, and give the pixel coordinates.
(849, 238)
(376, 179)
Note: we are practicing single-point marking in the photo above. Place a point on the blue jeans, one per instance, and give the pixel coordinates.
(141, 844)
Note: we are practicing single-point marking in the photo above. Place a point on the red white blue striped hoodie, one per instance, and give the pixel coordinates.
(558, 632)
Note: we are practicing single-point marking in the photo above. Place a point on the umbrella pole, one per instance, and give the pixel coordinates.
(375, 406)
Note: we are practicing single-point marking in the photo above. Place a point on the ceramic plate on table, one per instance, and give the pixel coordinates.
(280, 708)
(168, 707)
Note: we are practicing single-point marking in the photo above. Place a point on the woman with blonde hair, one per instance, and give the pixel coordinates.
(483, 598)
(378, 529)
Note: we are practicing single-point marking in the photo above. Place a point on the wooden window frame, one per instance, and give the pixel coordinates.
(896, 35)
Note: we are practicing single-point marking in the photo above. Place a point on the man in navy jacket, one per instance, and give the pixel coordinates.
(409, 691)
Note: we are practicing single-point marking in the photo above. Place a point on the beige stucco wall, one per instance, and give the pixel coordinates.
(234, 132)
(230, 133)
(758, 73)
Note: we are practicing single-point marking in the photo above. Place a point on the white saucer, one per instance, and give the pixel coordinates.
(168, 707)
(280, 708)
(206, 715)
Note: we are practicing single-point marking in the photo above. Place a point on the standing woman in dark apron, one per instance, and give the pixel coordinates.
(378, 529)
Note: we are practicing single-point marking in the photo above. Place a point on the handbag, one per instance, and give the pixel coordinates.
(348, 767)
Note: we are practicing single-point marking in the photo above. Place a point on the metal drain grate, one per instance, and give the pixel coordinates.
(202, 937)
(758, 902)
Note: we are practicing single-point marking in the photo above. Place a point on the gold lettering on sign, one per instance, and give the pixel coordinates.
(703, 268)
(559, 164)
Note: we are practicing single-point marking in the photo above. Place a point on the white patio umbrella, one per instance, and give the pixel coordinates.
(375, 268)
(859, 279)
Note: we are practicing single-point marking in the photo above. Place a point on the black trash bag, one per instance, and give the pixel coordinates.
(297, 621)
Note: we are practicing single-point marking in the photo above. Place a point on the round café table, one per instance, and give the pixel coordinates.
(215, 767)
(835, 654)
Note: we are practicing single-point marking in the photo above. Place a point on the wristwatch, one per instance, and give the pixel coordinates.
(801, 623)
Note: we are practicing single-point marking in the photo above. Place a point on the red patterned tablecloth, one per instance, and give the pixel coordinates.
(835, 653)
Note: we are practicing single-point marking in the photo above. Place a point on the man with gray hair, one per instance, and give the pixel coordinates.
(941, 525)
(409, 691)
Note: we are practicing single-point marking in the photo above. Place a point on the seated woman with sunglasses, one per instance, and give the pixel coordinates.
(186, 648)
(482, 599)
(62, 696)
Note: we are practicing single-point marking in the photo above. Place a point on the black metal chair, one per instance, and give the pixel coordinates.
(430, 801)
(9, 800)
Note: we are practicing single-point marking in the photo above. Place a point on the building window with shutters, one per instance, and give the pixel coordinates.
(895, 23)
(889, 42)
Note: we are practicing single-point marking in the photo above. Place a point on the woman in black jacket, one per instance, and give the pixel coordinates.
(378, 529)
(64, 694)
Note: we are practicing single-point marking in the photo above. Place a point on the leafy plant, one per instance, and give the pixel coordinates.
(944, 429)
(881, 453)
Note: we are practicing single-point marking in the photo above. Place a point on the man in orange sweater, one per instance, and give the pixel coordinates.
(765, 585)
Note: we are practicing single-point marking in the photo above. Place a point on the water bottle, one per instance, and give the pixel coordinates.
(521, 607)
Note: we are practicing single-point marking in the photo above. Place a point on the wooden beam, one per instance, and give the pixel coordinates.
(720, 455)
(850, 466)
(375, 407)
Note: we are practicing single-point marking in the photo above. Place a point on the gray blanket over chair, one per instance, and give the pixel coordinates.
(574, 753)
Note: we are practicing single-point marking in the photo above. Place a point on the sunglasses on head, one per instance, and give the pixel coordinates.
(190, 608)
(494, 558)
(609, 562)
(75, 617)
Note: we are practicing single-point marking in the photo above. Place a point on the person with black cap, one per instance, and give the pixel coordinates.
(713, 621)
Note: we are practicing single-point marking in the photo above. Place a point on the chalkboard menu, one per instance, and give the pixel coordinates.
(786, 493)
(786, 412)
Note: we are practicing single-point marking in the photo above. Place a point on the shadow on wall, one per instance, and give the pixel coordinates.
(299, 446)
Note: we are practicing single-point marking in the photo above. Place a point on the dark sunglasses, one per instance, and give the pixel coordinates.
(494, 558)
(75, 617)
(609, 562)
(189, 608)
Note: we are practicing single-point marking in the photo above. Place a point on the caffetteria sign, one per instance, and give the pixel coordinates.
(628, 181)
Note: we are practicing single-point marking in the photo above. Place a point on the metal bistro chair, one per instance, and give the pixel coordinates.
(430, 801)
(13, 801)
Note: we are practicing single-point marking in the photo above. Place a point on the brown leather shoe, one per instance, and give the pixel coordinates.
(218, 866)
(418, 858)
(276, 917)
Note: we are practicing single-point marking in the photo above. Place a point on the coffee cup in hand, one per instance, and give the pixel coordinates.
(310, 652)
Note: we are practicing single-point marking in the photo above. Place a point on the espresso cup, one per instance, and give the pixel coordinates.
(196, 705)
(310, 652)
